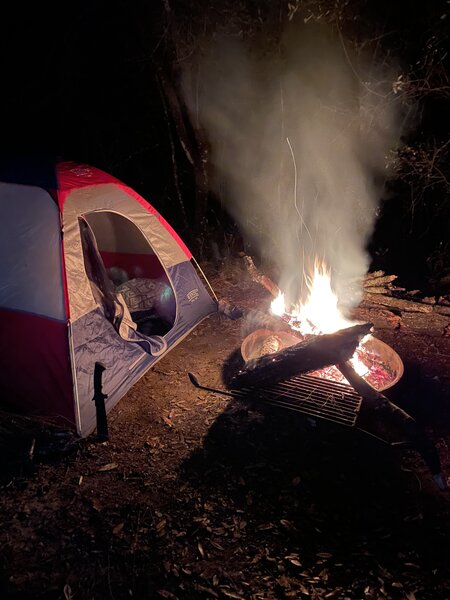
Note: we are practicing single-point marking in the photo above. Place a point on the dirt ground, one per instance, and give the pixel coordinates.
(200, 496)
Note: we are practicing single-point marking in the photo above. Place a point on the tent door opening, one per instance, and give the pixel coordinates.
(126, 275)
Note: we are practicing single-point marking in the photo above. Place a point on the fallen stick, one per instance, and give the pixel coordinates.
(257, 277)
(311, 354)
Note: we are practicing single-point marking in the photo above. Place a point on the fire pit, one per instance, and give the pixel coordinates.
(384, 367)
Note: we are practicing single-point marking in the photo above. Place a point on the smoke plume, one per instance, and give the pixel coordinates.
(299, 139)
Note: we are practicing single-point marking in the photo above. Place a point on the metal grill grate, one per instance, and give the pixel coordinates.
(313, 396)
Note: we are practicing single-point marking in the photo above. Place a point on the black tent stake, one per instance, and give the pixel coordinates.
(99, 399)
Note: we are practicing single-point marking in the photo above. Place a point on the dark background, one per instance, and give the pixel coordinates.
(81, 81)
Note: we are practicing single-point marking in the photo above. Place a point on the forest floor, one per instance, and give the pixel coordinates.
(197, 496)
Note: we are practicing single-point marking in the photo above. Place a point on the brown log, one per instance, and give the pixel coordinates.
(257, 277)
(379, 281)
(374, 275)
(378, 290)
(403, 305)
(441, 310)
(311, 354)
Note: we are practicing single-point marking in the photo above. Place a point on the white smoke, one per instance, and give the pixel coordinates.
(299, 139)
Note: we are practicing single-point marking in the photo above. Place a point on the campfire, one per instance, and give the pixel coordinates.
(377, 363)
(311, 359)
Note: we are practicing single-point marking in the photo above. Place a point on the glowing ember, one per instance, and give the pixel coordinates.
(320, 314)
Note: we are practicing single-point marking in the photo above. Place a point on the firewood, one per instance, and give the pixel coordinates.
(379, 281)
(374, 275)
(311, 354)
(257, 277)
(378, 290)
(403, 305)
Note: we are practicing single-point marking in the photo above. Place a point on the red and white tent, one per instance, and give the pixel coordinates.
(89, 272)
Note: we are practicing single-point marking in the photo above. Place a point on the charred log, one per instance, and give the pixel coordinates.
(309, 355)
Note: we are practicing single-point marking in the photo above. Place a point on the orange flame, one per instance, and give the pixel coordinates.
(320, 313)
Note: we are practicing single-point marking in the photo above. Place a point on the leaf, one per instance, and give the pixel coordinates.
(230, 594)
(286, 524)
(208, 590)
(166, 594)
(201, 550)
(265, 526)
(118, 528)
(109, 467)
(295, 562)
(324, 555)
(97, 505)
(161, 525)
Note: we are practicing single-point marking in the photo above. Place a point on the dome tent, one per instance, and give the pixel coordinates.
(89, 273)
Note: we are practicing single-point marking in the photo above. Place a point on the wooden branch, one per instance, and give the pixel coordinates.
(259, 278)
(311, 354)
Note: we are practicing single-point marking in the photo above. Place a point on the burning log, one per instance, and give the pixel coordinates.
(379, 406)
(314, 353)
